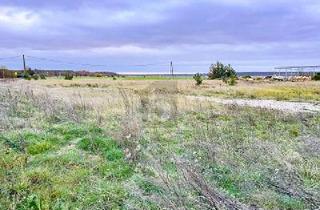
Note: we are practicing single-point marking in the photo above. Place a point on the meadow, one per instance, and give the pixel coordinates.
(99, 143)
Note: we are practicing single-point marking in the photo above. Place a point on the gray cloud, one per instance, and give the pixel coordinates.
(249, 34)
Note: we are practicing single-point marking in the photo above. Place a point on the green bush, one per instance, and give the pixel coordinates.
(42, 76)
(27, 77)
(230, 80)
(68, 76)
(220, 71)
(198, 78)
(35, 76)
(316, 77)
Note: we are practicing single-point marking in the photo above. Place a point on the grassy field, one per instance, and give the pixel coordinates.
(265, 89)
(139, 144)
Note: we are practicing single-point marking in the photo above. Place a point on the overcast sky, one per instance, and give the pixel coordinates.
(251, 35)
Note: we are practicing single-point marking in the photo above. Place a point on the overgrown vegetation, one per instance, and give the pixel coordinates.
(149, 149)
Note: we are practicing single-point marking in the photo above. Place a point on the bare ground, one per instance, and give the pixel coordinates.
(287, 106)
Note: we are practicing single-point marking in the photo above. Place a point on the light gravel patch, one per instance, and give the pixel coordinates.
(286, 106)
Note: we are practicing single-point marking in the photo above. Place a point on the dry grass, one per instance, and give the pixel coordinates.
(143, 145)
(295, 91)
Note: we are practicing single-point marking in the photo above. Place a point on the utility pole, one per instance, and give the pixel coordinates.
(171, 68)
(24, 63)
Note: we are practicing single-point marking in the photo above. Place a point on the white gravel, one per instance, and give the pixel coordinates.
(286, 106)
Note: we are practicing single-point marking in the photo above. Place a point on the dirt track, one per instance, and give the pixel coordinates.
(286, 106)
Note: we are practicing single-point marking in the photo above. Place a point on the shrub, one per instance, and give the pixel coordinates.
(27, 77)
(35, 76)
(68, 76)
(247, 77)
(28, 74)
(220, 71)
(230, 80)
(198, 78)
(42, 76)
(316, 77)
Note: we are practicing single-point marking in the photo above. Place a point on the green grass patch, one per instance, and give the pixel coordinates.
(62, 166)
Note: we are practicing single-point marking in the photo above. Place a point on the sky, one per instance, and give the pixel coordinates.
(143, 36)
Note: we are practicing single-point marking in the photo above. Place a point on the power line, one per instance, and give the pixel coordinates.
(64, 62)
(38, 60)
(104, 65)
(7, 58)
(96, 65)
(190, 65)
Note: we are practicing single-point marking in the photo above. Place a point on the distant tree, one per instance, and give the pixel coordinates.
(3, 70)
(6, 73)
(198, 78)
(220, 71)
(229, 71)
(316, 77)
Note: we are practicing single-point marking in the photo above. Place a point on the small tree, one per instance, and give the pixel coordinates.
(198, 78)
(229, 71)
(220, 71)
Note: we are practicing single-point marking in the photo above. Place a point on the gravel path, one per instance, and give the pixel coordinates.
(286, 106)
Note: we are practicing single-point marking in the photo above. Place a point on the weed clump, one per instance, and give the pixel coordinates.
(39, 148)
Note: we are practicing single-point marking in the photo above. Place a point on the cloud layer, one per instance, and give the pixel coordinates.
(253, 35)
